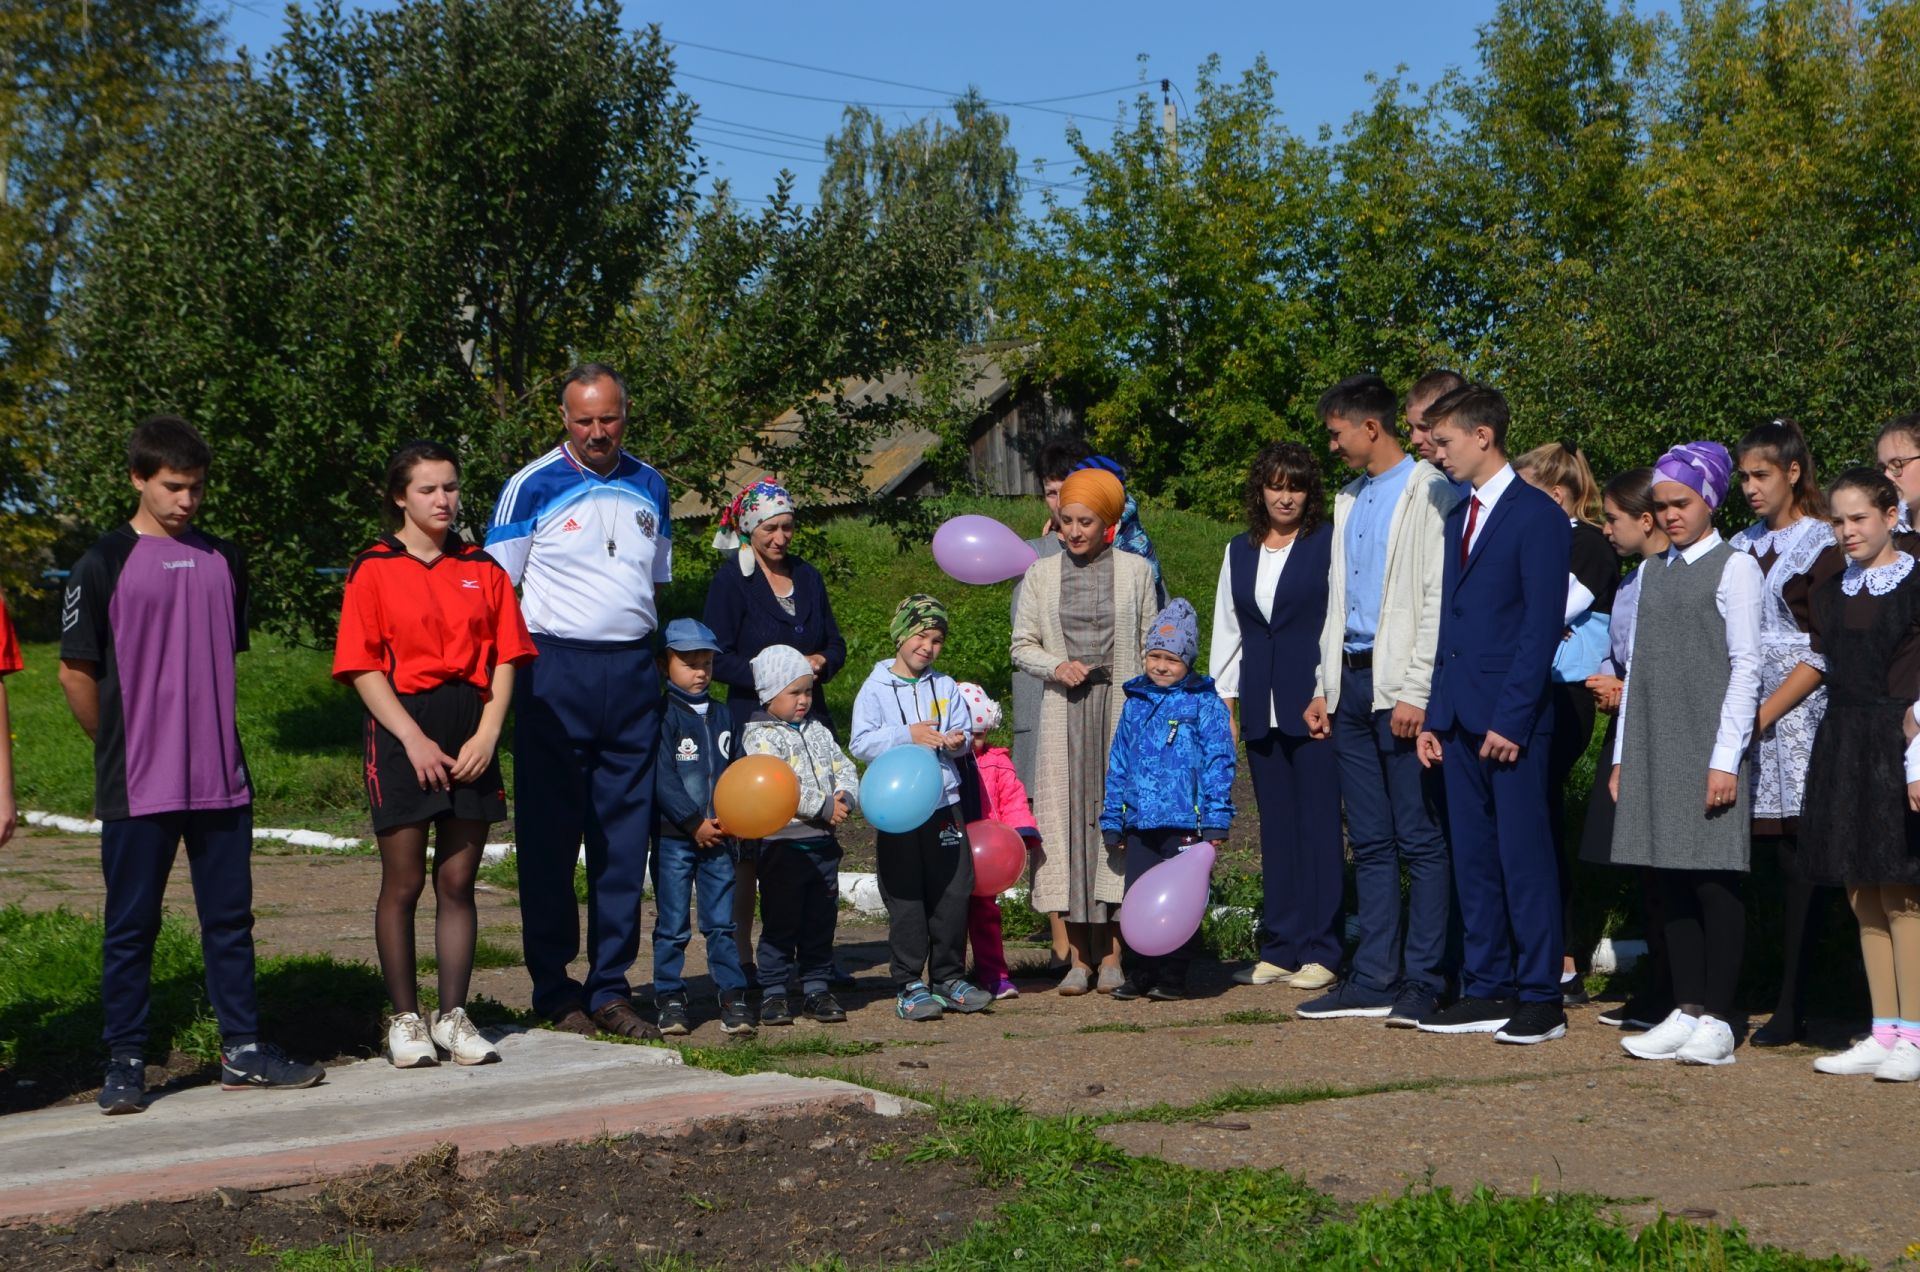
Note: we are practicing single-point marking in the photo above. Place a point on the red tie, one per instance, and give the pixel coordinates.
(1466, 540)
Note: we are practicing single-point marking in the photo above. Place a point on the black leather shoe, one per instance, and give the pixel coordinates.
(1779, 1031)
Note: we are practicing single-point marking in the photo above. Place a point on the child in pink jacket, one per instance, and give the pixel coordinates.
(1003, 799)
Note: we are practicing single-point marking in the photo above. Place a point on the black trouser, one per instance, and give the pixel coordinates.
(1706, 922)
(926, 879)
(1145, 850)
(799, 907)
(1573, 712)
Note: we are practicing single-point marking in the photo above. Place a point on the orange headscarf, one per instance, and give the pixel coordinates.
(1097, 490)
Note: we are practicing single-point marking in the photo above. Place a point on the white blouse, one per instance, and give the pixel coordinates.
(1227, 645)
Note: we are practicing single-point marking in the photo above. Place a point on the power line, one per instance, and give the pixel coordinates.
(775, 132)
(726, 145)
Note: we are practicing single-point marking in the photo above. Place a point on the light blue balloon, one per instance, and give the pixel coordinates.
(900, 789)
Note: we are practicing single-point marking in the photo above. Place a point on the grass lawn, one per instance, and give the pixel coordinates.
(1071, 1199)
(302, 731)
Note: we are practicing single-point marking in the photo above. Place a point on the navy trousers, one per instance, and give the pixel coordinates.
(136, 856)
(1145, 850)
(799, 910)
(1504, 866)
(1390, 824)
(1296, 783)
(586, 724)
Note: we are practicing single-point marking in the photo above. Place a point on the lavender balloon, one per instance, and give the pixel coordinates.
(977, 549)
(1164, 906)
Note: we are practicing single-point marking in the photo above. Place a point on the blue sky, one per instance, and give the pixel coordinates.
(1321, 54)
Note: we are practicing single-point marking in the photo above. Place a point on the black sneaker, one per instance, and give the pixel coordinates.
(1413, 1004)
(1779, 1031)
(1348, 998)
(824, 1008)
(1165, 994)
(261, 1066)
(736, 1016)
(1637, 1012)
(1573, 992)
(1470, 1015)
(776, 1009)
(1534, 1022)
(671, 1011)
(125, 1086)
(1128, 991)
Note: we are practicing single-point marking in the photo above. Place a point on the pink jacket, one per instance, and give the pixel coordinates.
(1003, 795)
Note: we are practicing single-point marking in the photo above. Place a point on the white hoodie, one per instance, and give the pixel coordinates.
(888, 707)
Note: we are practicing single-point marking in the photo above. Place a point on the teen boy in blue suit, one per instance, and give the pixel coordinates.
(1489, 720)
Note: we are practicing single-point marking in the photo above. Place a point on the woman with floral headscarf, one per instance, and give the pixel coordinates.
(762, 597)
(1082, 619)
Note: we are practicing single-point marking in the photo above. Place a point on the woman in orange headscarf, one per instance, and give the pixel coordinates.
(1083, 617)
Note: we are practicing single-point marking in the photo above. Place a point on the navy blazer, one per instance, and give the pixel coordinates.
(1501, 617)
(1278, 657)
(746, 618)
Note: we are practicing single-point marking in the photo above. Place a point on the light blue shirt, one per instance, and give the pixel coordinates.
(1368, 522)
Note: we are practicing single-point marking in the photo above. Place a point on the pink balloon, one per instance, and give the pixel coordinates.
(1165, 905)
(999, 854)
(977, 549)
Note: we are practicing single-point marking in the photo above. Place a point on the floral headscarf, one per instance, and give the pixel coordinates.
(761, 502)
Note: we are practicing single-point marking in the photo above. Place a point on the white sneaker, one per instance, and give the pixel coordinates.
(459, 1039)
(1664, 1040)
(1865, 1056)
(1901, 1065)
(408, 1045)
(1711, 1043)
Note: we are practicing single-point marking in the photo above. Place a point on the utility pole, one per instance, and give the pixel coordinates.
(1169, 126)
(1169, 121)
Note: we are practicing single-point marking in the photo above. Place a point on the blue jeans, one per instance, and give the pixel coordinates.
(1390, 823)
(682, 870)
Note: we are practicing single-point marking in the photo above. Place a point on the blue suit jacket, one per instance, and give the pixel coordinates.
(1501, 617)
(1279, 657)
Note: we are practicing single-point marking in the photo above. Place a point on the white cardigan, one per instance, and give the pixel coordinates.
(1403, 648)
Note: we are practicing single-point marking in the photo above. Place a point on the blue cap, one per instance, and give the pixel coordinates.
(689, 634)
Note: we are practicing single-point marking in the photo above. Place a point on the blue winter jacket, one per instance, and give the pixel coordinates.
(1172, 761)
(695, 747)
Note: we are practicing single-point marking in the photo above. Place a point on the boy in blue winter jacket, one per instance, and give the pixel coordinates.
(691, 854)
(1169, 778)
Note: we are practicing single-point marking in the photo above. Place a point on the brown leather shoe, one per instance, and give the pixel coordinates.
(575, 1021)
(618, 1017)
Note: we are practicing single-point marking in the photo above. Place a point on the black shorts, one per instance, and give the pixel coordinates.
(448, 714)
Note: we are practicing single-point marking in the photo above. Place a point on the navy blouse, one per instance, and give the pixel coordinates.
(746, 618)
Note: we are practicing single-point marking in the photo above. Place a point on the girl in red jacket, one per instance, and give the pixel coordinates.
(1003, 798)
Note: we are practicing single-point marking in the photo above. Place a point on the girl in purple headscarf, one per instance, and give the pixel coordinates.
(1679, 765)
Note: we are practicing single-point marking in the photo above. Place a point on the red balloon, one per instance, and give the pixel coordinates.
(999, 855)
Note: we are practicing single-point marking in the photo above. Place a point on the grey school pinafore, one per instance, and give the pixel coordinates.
(1678, 679)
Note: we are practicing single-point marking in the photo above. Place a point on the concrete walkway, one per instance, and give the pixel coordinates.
(548, 1088)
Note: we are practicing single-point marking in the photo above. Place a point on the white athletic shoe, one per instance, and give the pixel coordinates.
(1901, 1065)
(459, 1039)
(1711, 1043)
(1865, 1056)
(408, 1045)
(1664, 1040)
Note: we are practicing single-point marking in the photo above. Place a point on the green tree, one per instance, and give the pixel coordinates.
(402, 224)
(82, 89)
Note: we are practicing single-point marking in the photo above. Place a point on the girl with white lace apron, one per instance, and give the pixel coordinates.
(1793, 542)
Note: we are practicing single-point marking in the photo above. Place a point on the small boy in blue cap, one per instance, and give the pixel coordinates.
(691, 854)
(1169, 777)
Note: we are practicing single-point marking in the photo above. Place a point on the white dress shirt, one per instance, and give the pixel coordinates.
(1738, 598)
(1913, 751)
(1224, 660)
(1488, 493)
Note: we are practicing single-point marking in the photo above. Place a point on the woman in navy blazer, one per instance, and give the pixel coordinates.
(1268, 611)
(772, 598)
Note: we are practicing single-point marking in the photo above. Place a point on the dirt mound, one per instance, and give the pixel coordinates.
(736, 1194)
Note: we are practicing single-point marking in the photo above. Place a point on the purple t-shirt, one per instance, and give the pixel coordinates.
(162, 617)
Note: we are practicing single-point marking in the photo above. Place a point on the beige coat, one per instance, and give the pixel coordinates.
(1039, 646)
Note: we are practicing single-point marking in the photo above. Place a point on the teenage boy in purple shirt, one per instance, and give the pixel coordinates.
(152, 618)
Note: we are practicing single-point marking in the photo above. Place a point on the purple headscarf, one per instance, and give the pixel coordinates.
(1702, 467)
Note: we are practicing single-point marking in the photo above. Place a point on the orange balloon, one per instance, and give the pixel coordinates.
(756, 796)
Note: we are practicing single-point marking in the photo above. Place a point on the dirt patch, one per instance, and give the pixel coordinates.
(738, 1194)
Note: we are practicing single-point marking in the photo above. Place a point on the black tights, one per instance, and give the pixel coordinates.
(403, 874)
(1803, 915)
(1706, 924)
